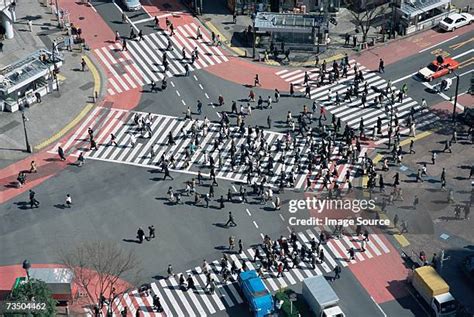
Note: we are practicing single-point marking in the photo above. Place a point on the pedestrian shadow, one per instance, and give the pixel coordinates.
(449, 218)
(11, 185)
(220, 225)
(60, 206)
(52, 159)
(23, 205)
(76, 69)
(158, 277)
(131, 241)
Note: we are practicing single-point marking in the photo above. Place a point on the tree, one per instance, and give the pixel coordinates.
(364, 18)
(99, 267)
(37, 291)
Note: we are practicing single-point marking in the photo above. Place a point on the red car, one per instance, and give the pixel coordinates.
(438, 68)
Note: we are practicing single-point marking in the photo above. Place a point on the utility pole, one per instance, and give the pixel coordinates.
(57, 13)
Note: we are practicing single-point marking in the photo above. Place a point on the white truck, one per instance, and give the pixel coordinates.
(434, 291)
(321, 298)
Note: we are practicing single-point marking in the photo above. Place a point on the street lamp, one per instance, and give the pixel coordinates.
(26, 266)
(455, 97)
(28, 147)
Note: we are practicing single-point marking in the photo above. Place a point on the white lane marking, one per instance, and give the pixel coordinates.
(248, 212)
(200, 86)
(281, 217)
(172, 84)
(177, 92)
(380, 308)
(195, 77)
(403, 78)
(255, 224)
(430, 47)
(183, 102)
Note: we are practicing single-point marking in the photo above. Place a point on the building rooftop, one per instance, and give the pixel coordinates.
(417, 7)
(27, 69)
(268, 21)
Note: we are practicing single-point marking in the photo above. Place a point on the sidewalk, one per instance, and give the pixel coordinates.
(219, 21)
(58, 111)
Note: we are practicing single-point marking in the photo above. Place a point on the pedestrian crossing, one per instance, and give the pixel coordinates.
(351, 111)
(178, 302)
(150, 147)
(142, 62)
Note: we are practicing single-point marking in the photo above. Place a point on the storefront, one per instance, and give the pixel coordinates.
(420, 14)
(25, 81)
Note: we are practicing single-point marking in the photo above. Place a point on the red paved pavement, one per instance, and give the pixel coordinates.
(405, 47)
(94, 29)
(242, 72)
(384, 276)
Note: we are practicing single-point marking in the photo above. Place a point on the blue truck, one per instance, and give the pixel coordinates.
(257, 295)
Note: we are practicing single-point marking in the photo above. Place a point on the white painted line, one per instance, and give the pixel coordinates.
(195, 77)
(248, 212)
(172, 84)
(233, 187)
(462, 54)
(207, 96)
(281, 72)
(144, 20)
(218, 114)
(171, 298)
(177, 92)
(385, 315)
(263, 237)
(428, 48)
(200, 86)
(128, 19)
(255, 224)
(183, 102)
(403, 78)
(281, 217)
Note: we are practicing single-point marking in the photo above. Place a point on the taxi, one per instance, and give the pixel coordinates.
(438, 68)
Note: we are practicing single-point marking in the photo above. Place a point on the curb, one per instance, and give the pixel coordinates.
(82, 114)
(240, 52)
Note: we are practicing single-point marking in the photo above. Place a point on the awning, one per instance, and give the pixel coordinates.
(414, 8)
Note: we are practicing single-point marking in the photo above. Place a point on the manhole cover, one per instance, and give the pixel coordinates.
(81, 18)
(74, 54)
(226, 28)
(59, 39)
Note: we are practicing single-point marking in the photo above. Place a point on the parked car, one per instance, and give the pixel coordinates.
(455, 20)
(132, 5)
(438, 68)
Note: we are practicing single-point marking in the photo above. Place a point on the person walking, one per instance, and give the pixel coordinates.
(61, 154)
(241, 246)
(83, 64)
(230, 220)
(140, 235)
(351, 253)
(231, 243)
(68, 201)
(80, 159)
(256, 81)
(33, 201)
(151, 232)
(170, 270)
(381, 66)
(337, 272)
(33, 167)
